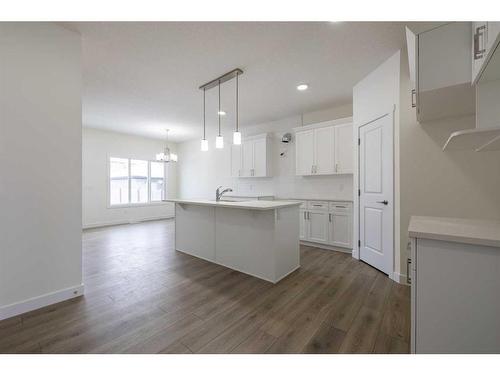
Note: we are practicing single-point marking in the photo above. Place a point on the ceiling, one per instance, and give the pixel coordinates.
(141, 78)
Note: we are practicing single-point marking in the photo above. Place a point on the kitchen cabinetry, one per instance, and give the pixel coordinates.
(252, 158)
(485, 38)
(327, 223)
(454, 268)
(325, 148)
(440, 70)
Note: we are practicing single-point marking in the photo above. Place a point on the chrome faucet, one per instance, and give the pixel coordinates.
(218, 193)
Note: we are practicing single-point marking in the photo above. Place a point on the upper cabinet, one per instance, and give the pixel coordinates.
(252, 158)
(440, 70)
(485, 60)
(325, 148)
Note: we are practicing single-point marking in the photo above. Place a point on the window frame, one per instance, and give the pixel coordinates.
(129, 204)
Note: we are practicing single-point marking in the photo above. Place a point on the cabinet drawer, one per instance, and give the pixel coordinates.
(317, 205)
(340, 206)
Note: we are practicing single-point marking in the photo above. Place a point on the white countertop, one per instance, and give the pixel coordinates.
(317, 199)
(249, 205)
(475, 232)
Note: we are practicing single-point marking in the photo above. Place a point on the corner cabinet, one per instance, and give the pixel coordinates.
(252, 158)
(325, 148)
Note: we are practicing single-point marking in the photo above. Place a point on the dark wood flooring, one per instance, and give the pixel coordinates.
(141, 296)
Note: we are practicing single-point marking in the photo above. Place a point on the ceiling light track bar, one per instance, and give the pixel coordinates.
(223, 78)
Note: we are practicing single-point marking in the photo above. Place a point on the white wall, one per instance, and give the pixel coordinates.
(375, 95)
(40, 166)
(98, 147)
(199, 173)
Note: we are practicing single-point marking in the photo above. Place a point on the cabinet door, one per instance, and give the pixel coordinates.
(344, 149)
(260, 157)
(324, 143)
(235, 160)
(303, 225)
(340, 229)
(317, 226)
(304, 152)
(479, 47)
(247, 167)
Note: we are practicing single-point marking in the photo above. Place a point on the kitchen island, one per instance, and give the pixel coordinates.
(259, 238)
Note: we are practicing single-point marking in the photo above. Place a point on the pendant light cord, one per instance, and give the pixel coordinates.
(218, 113)
(204, 126)
(237, 115)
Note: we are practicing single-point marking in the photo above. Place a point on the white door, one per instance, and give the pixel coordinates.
(340, 229)
(259, 157)
(304, 152)
(303, 225)
(317, 226)
(344, 149)
(376, 205)
(235, 160)
(324, 162)
(247, 168)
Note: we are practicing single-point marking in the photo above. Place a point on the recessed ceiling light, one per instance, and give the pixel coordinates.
(302, 87)
(221, 113)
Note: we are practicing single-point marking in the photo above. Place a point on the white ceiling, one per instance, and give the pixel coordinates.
(142, 78)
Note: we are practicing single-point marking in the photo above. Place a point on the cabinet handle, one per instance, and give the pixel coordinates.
(336, 167)
(304, 215)
(308, 215)
(413, 95)
(408, 278)
(239, 172)
(330, 218)
(383, 202)
(312, 169)
(479, 36)
(340, 206)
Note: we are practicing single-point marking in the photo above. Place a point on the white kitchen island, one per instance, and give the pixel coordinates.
(260, 238)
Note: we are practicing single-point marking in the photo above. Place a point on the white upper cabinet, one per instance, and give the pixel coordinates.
(236, 160)
(485, 57)
(440, 67)
(325, 148)
(304, 152)
(252, 158)
(324, 156)
(344, 148)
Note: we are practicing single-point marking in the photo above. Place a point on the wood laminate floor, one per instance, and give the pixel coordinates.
(141, 296)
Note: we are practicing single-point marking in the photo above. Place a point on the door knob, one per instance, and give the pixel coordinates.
(383, 202)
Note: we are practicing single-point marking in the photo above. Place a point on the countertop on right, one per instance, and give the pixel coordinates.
(469, 231)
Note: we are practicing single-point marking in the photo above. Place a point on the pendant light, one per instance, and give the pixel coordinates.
(219, 140)
(166, 156)
(204, 142)
(237, 134)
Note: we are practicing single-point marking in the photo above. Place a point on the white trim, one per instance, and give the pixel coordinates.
(399, 278)
(40, 301)
(127, 221)
(340, 121)
(326, 247)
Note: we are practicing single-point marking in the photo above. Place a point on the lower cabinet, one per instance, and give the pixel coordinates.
(340, 229)
(327, 223)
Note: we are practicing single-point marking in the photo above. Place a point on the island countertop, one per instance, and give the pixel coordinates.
(249, 205)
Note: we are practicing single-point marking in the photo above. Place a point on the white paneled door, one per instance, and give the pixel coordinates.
(376, 203)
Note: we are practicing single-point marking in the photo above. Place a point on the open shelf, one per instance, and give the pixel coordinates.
(474, 139)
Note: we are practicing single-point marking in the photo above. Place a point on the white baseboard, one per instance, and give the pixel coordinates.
(326, 247)
(121, 222)
(399, 278)
(40, 301)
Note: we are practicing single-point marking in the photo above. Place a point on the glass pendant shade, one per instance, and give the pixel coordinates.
(204, 145)
(237, 138)
(219, 142)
